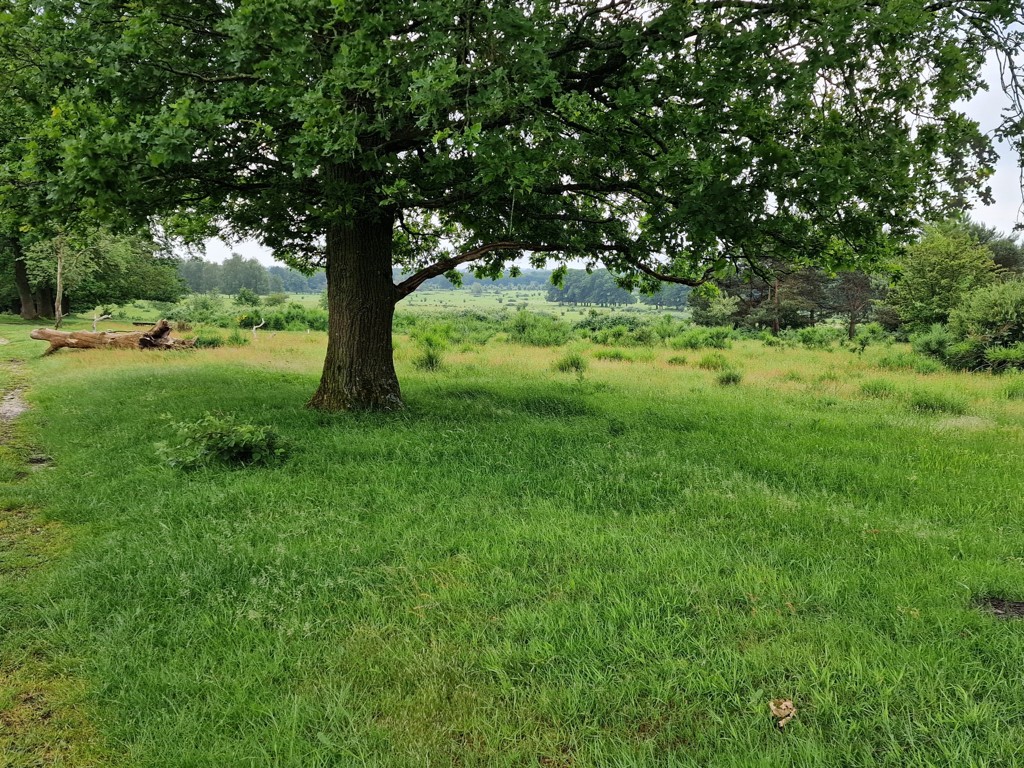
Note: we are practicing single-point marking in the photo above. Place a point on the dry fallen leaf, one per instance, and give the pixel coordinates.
(782, 709)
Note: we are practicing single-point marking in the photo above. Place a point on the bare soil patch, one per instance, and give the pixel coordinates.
(1002, 607)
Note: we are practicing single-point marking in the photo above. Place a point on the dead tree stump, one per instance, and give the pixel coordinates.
(157, 337)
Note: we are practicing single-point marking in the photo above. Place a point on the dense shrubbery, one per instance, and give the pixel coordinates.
(985, 332)
(538, 330)
(702, 338)
(219, 440)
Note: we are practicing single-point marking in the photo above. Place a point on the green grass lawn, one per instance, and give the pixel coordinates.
(523, 568)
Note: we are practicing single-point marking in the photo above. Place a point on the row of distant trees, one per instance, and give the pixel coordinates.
(236, 273)
(599, 288)
(919, 288)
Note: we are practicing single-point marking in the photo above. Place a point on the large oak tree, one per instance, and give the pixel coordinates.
(668, 141)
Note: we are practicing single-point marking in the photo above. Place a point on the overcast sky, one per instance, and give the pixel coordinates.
(985, 108)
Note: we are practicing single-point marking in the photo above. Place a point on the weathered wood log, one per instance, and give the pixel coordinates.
(157, 337)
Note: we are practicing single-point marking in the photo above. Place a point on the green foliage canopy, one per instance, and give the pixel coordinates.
(665, 139)
(937, 272)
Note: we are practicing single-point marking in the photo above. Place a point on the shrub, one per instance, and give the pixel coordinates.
(878, 388)
(988, 320)
(714, 361)
(573, 362)
(937, 402)
(429, 359)
(276, 299)
(197, 309)
(208, 340)
(703, 338)
(817, 337)
(538, 330)
(934, 342)
(676, 360)
(729, 377)
(967, 355)
(1002, 359)
(909, 361)
(247, 298)
(1014, 389)
(994, 314)
(236, 339)
(220, 440)
(613, 354)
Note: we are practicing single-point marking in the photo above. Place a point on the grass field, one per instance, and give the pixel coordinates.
(523, 568)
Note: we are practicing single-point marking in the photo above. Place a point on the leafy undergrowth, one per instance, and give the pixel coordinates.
(523, 568)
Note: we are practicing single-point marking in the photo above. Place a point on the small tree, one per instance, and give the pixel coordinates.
(936, 273)
(246, 297)
(853, 295)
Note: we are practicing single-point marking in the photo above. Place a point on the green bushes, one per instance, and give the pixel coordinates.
(714, 361)
(729, 377)
(816, 336)
(703, 338)
(219, 440)
(208, 340)
(1001, 359)
(1014, 389)
(986, 332)
(928, 401)
(573, 362)
(878, 389)
(430, 357)
(909, 361)
(613, 354)
(538, 330)
(934, 342)
(676, 360)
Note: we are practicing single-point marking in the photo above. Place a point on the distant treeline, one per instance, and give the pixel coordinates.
(599, 288)
(237, 273)
(529, 280)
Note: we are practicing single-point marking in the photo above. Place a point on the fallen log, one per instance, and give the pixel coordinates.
(157, 337)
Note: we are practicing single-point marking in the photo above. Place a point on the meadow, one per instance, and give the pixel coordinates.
(616, 565)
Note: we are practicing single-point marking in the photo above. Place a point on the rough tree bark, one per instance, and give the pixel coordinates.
(157, 337)
(28, 300)
(359, 370)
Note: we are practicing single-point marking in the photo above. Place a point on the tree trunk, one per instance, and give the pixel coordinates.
(157, 337)
(44, 301)
(58, 300)
(359, 371)
(852, 328)
(28, 301)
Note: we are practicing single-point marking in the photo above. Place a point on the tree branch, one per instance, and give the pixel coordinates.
(437, 269)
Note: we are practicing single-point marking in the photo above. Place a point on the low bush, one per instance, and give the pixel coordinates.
(236, 339)
(613, 354)
(878, 388)
(934, 342)
(429, 359)
(208, 340)
(715, 361)
(729, 377)
(928, 401)
(909, 361)
(220, 440)
(703, 338)
(538, 330)
(1014, 389)
(676, 360)
(573, 362)
(816, 336)
(1001, 359)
